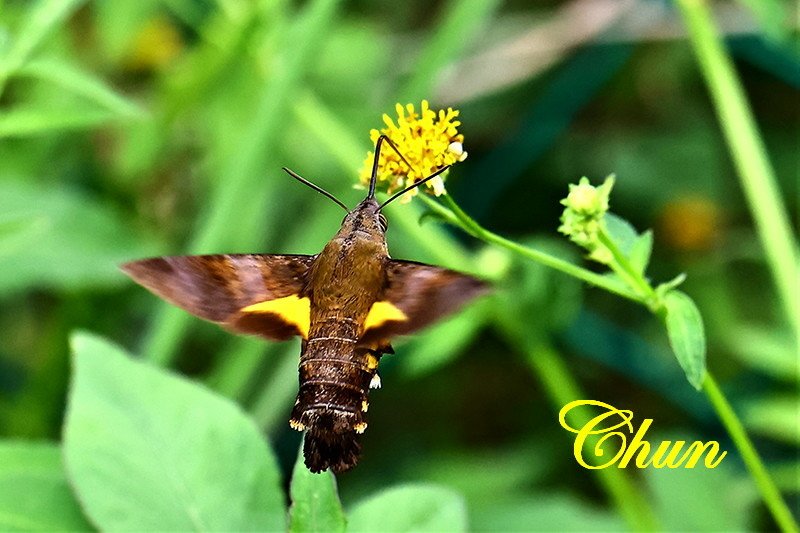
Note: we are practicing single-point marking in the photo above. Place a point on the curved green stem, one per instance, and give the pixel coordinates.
(648, 296)
(457, 217)
(769, 492)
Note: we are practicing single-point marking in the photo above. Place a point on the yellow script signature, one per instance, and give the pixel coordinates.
(667, 454)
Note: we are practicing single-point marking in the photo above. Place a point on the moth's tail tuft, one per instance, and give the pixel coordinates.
(324, 448)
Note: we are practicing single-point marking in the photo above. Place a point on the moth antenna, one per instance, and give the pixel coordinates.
(317, 188)
(412, 186)
(374, 177)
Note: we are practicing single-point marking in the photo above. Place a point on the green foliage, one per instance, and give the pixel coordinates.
(544, 512)
(686, 336)
(315, 501)
(727, 503)
(146, 450)
(79, 241)
(130, 129)
(34, 493)
(773, 417)
(409, 508)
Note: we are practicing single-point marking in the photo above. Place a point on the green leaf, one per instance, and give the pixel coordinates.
(34, 493)
(465, 472)
(146, 450)
(640, 251)
(686, 335)
(78, 242)
(667, 286)
(80, 83)
(773, 417)
(315, 501)
(542, 512)
(410, 508)
(621, 232)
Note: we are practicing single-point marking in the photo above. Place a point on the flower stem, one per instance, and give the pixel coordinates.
(769, 492)
(454, 215)
(645, 294)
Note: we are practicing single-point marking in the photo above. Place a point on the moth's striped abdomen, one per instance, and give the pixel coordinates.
(332, 402)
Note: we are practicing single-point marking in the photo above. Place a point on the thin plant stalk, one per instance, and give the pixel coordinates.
(456, 215)
(769, 491)
(562, 389)
(733, 425)
(560, 386)
(749, 155)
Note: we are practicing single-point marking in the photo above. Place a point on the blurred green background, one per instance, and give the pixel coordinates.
(130, 129)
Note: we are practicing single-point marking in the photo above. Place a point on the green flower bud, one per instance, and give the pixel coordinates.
(582, 218)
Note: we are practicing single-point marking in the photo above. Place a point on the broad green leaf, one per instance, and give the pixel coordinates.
(686, 335)
(640, 251)
(542, 512)
(775, 417)
(147, 450)
(315, 501)
(79, 242)
(410, 508)
(80, 83)
(34, 493)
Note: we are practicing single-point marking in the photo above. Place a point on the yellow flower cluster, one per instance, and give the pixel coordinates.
(428, 140)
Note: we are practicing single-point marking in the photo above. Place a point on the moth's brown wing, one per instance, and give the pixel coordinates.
(220, 287)
(423, 294)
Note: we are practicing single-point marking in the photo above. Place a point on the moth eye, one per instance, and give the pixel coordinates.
(383, 222)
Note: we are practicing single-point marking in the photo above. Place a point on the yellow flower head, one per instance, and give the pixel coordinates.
(428, 140)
